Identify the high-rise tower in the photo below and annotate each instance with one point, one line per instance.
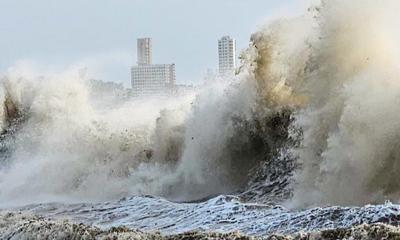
(227, 55)
(144, 51)
(148, 78)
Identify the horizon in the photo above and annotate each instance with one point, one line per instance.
(49, 36)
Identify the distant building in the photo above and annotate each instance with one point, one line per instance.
(210, 75)
(155, 79)
(183, 89)
(151, 79)
(107, 94)
(227, 55)
(102, 87)
(144, 51)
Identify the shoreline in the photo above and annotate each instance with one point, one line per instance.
(15, 226)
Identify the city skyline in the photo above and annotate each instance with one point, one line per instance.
(150, 79)
(184, 33)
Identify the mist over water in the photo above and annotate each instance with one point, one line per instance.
(350, 123)
(61, 144)
(315, 99)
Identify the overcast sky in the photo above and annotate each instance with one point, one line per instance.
(101, 34)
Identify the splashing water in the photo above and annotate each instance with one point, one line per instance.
(311, 118)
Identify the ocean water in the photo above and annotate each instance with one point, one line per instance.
(222, 214)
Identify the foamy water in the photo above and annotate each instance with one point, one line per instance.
(221, 214)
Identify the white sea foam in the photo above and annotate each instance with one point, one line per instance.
(329, 76)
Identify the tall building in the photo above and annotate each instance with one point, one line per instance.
(144, 51)
(227, 55)
(151, 79)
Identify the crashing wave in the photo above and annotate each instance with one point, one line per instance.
(310, 119)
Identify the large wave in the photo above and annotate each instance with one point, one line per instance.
(350, 123)
(311, 118)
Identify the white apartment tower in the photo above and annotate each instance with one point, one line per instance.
(151, 79)
(144, 51)
(227, 55)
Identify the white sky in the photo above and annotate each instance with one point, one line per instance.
(101, 34)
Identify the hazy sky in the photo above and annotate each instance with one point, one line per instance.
(101, 34)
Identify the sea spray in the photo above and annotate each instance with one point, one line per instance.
(350, 123)
(311, 117)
